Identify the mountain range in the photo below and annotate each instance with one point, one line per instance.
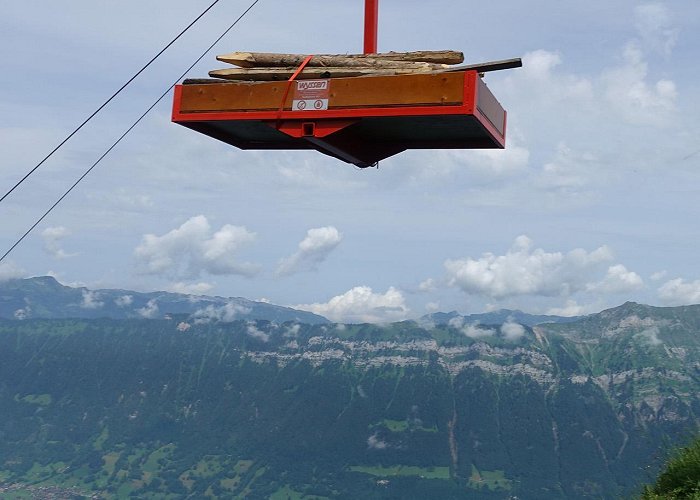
(194, 406)
(44, 297)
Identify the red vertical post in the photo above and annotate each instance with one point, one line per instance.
(371, 23)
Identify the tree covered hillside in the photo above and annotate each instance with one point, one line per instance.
(178, 407)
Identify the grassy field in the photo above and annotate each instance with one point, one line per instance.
(403, 470)
(492, 479)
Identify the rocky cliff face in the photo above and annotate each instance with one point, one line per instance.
(256, 408)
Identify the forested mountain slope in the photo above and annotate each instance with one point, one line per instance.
(177, 407)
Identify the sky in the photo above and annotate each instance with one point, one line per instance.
(593, 202)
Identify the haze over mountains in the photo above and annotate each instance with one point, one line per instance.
(221, 407)
(44, 297)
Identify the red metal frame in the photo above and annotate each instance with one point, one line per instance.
(371, 24)
(331, 120)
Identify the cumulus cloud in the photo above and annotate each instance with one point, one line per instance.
(475, 331)
(150, 310)
(91, 300)
(200, 288)
(256, 333)
(313, 250)
(524, 271)
(375, 443)
(637, 100)
(618, 280)
(654, 24)
(456, 322)
(540, 75)
(680, 292)
(226, 313)
(567, 171)
(192, 250)
(361, 305)
(52, 237)
(124, 300)
(650, 336)
(9, 271)
(432, 306)
(293, 330)
(124, 199)
(23, 313)
(512, 331)
(657, 276)
(488, 162)
(428, 285)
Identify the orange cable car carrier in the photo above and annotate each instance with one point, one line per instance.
(358, 108)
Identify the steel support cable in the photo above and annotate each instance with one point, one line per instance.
(115, 94)
(126, 132)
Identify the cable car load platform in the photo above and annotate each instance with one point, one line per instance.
(360, 119)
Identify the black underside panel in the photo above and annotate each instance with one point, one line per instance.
(363, 143)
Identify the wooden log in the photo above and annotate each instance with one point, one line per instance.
(388, 59)
(260, 60)
(275, 74)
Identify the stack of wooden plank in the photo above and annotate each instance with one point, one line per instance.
(260, 66)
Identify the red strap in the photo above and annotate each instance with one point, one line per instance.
(289, 86)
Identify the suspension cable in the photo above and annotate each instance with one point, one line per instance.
(126, 84)
(126, 132)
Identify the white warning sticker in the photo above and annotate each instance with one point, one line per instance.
(311, 95)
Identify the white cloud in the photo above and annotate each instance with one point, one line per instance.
(226, 313)
(91, 300)
(124, 300)
(293, 330)
(432, 306)
(680, 292)
(149, 311)
(488, 162)
(654, 24)
(200, 288)
(192, 250)
(375, 443)
(362, 305)
(428, 285)
(540, 76)
(512, 331)
(254, 332)
(124, 199)
(313, 250)
(474, 331)
(659, 275)
(456, 322)
(650, 336)
(10, 271)
(618, 280)
(633, 97)
(568, 171)
(522, 271)
(23, 313)
(52, 237)
(570, 309)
